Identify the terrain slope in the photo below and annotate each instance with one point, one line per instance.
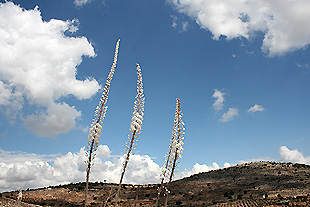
(249, 184)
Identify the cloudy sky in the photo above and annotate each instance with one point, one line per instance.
(241, 69)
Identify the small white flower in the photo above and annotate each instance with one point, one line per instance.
(136, 123)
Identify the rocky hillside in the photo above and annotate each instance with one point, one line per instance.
(250, 184)
(259, 181)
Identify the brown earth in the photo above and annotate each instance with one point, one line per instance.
(7, 202)
(250, 184)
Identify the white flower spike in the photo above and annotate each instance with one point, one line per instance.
(174, 152)
(96, 126)
(135, 126)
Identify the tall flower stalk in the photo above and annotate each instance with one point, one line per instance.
(135, 127)
(20, 196)
(96, 126)
(174, 152)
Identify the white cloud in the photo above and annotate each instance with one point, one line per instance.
(103, 151)
(184, 26)
(19, 169)
(303, 65)
(286, 155)
(177, 23)
(219, 96)
(226, 164)
(256, 108)
(12, 101)
(60, 118)
(38, 63)
(81, 2)
(5, 94)
(198, 168)
(174, 21)
(229, 115)
(285, 23)
(141, 169)
(294, 156)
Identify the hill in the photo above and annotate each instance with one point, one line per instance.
(249, 184)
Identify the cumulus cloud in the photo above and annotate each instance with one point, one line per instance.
(226, 164)
(229, 115)
(294, 156)
(256, 108)
(5, 94)
(199, 168)
(19, 169)
(38, 64)
(11, 101)
(25, 170)
(284, 23)
(219, 96)
(60, 118)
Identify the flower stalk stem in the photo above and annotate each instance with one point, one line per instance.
(135, 127)
(96, 126)
(174, 153)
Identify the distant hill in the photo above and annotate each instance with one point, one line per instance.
(249, 184)
(249, 181)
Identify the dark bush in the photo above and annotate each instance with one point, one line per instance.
(228, 195)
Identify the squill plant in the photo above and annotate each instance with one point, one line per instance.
(135, 127)
(174, 152)
(96, 126)
(20, 196)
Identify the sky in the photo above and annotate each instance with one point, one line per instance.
(240, 68)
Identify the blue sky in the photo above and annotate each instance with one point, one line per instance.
(240, 68)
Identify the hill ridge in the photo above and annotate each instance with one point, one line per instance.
(249, 184)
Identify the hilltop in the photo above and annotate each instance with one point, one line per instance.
(249, 184)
